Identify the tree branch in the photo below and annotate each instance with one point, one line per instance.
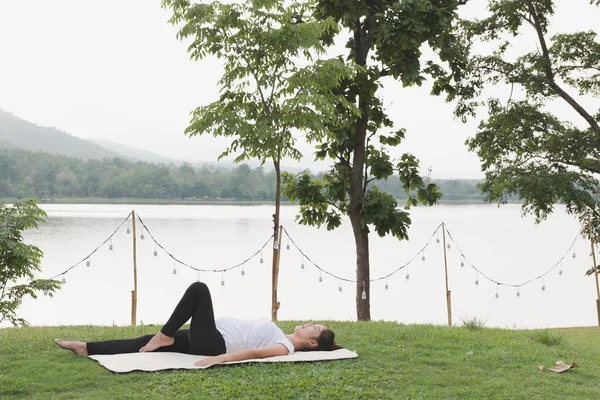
(550, 73)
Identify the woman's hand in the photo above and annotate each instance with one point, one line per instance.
(209, 361)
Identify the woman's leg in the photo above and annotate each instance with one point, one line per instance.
(122, 346)
(204, 338)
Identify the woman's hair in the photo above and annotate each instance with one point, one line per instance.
(326, 341)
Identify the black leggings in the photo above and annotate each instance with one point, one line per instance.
(202, 338)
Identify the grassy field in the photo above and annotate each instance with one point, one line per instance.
(395, 362)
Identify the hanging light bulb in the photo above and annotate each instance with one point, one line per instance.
(543, 284)
(302, 264)
(364, 292)
(287, 246)
(422, 256)
(222, 279)
(407, 274)
(437, 239)
(462, 261)
(155, 251)
(64, 280)
(497, 294)
(88, 262)
(110, 246)
(518, 293)
(243, 271)
(574, 255)
(340, 287)
(320, 276)
(174, 267)
(386, 284)
(128, 230)
(560, 271)
(142, 235)
(477, 280)
(261, 257)
(448, 246)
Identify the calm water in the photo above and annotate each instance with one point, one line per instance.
(504, 246)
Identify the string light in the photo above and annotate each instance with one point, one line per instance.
(174, 267)
(462, 261)
(543, 284)
(261, 257)
(287, 246)
(243, 271)
(497, 287)
(155, 251)
(518, 293)
(64, 279)
(302, 264)
(222, 279)
(340, 286)
(110, 246)
(142, 235)
(88, 262)
(320, 276)
(437, 239)
(560, 271)
(386, 284)
(128, 230)
(477, 279)
(364, 292)
(407, 274)
(448, 246)
(574, 255)
(422, 256)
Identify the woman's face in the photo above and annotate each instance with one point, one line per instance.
(309, 331)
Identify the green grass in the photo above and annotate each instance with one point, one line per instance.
(395, 362)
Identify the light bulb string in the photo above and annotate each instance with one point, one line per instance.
(95, 250)
(354, 280)
(516, 285)
(201, 269)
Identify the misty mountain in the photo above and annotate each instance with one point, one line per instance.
(18, 133)
(132, 153)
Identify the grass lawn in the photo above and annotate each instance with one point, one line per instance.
(395, 362)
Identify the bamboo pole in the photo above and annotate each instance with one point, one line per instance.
(134, 291)
(448, 294)
(595, 268)
(275, 303)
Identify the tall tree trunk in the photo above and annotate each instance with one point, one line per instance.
(276, 239)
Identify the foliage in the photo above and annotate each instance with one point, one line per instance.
(526, 148)
(59, 178)
(385, 40)
(394, 361)
(547, 337)
(473, 324)
(19, 261)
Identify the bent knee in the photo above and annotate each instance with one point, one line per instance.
(198, 287)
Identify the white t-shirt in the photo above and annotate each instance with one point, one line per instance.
(246, 335)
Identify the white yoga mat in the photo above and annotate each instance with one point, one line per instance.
(163, 361)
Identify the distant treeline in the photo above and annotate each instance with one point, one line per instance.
(25, 174)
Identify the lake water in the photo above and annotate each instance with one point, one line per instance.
(498, 241)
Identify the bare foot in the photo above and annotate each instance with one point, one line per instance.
(158, 340)
(78, 348)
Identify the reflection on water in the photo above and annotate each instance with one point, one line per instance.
(497, 241)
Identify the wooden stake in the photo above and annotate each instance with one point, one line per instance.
(275, 303)
(595, 268)
(134, 291)
(448, 295)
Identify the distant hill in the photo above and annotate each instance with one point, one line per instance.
(133, 153)
(18, 133)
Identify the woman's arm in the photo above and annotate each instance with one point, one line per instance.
(263, 352)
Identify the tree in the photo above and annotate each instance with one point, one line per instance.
(525, 147)
(18, 260)
(386, 38)
(261, 100)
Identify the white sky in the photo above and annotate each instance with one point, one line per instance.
(113, 69)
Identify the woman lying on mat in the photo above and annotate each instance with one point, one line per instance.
(223, 339)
